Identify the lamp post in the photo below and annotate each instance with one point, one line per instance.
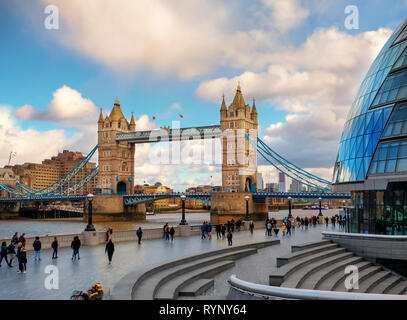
(247, 218)
(320, 205)
(289, 208)
(183, 221)
(90, 226)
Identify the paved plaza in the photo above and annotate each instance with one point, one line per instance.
(129, 256)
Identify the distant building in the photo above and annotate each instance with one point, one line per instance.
(260, 183)
(39, 176)
(272, 187)
(9, 179)
(295, 186)
(281, 182)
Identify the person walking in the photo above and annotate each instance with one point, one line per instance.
(3, 253)
(269, 228)
(54, 246)
(22, 266)
(283, 228)
(23, 240)
(228, 226)
(203, 230)
(223, 230)
(218, 231)
(14, 239)
(251, 227)
(288, 226)
(172, 233)
(333, 222)
(109, 249)
(230, 236)
(209, 231)
(75, 245)
(232, 225)
(167, 232)
(37, 249)
(11, 254)
(139, 234)
(326, 221)
(238, 224)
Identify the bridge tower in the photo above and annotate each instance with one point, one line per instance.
(116, 158)
(239, 158)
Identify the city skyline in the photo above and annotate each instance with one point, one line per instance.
(57, 97)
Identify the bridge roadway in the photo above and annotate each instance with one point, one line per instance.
(204, 197)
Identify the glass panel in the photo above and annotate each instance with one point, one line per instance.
(403, 151)
(373, 167)
(396, 129)
(402, 165)
(393, 152)
(380, 166)
(391, 166)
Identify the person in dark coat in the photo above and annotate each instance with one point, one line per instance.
(251, 227)
(218, 232)
(172, 232)
(11, 253)
(3, 253)
(75, 245)
(139, 235)
(14, 239)
(223, 230)
(109, 249)
(232, 225)
(54, 246)
(203, 230)
(228, 226)
(22, 266)
(37, 249)
(23, 240)
(230, 236)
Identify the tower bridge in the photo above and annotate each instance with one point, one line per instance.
(240, 145)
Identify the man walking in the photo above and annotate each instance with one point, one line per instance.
(223, 230)
(54, 246)
(203, 230)
(139, 234)
(230, 236)
(218, 231)
(75, 245)
(172, 233)
(37, 249)
(251, 227)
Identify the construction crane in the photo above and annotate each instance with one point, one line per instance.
(12, 155)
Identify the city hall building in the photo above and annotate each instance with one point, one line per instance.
(372, 157)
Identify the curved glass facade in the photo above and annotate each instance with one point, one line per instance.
(384, 85)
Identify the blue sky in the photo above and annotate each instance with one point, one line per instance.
(238, 38)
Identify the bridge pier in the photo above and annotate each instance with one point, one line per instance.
(112, 208)
(232, 205)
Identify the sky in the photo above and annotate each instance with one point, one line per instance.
(164, 58)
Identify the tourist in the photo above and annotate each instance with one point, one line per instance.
(228, 226)
(23, 240)
(288, 226)
(232, 225)
(172, 233)
(326, 221)
(14, 239)
(11, 254)
(251, 227)
(223, 230)
(37, 249)
(75, 245)
(238, 224)
(109, 235)
(203, 230)
(333, 222)
(109, 249)
(54, 246)
(139, 234)
(166, 232)
(230, 236)
(306, 223)
(218, 231)
(19, 246)
(283, 228)
(209, 231)
(3, 253)
(269, 227)
(22, 266)
(302, 223)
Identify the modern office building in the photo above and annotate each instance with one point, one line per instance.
(260, 183)
(281, 182)
(372, 157)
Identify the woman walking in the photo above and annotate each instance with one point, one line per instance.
(251, 226)
(54, 246)
(230, 236)
(11, 253)
(3, 253)
(23, 261)
(109, 249)
(172, 232)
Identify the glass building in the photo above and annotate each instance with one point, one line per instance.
(372, 157)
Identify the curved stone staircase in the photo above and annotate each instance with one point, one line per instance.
(187, 277)
(321, 266)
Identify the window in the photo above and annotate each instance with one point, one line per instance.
(394, 88)
(398, 122)
(390, 158)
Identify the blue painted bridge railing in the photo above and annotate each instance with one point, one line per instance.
(139, 198)
(301, 195)
(43, 199)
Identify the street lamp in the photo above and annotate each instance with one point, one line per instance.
(247, 218)
(183, 221)
(90, 226)
(320, 205)
(289, 208)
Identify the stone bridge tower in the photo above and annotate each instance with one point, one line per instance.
(239, 157)
(116, 159)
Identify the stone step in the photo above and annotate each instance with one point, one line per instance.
(386, 285)
(196, 288)
(281, 261)
(147, 288)
(309, 245)
(296, 279)
(314, 280)
(399, 288)
(338, 277)
(280, 274)
(368, 285)
(363, 276)
(171, 288)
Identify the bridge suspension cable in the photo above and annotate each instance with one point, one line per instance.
(292, 171)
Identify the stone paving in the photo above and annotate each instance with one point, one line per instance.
(93, 265)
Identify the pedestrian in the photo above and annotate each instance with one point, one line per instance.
(283, 228)
(288, 226)
(14, 239)
(139, 234)
(54, 246)
(203, 230)
(172, 232)
(228, 226)
(251, 227)
(3, 253)
(326, 221)
(269, 227)
(238, 223)
(223, 230)
(37, 249)
(209, 231)
(333, 222)
(218, 231)
(167, 232)
(230, 236)
(306, 223)
(23, 240)
(232, 225)
(75, 245)
(23, 260)
(19, 246)
(11, 254)
(110, 250)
